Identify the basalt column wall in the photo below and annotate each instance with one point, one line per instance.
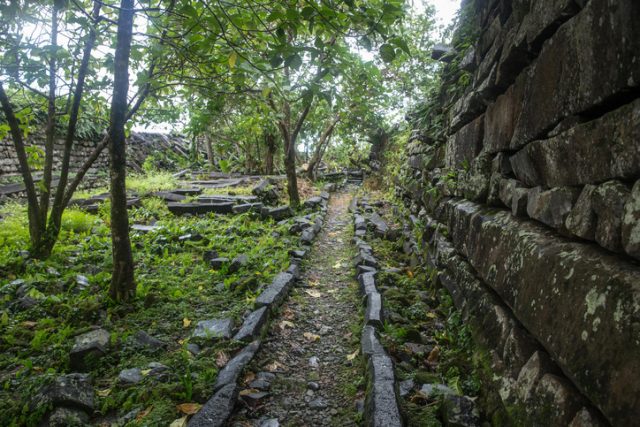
(529, 201)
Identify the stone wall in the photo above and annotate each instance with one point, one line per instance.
(139, 146)
(531, 196)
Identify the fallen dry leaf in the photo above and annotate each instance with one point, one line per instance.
(311, 337)
(189, 408)
(313, 293)
(272, 367)
(144, 413)
(247, 391)
(29, 324)
(410, 274)
(249, 377)
(186, 322)
(221, 359)
(145, 372)
(180, 422)
(337, 265)
(104, 393)
(288, 314)
(286, 324)
(353, 355)
(434, 355)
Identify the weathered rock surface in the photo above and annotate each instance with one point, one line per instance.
(229, 374)
(631, 223)
(553, 274)
(252, 325)
(213, 329)
(217, 410)
(381, 406)
(276, 291)
(89, 347)
(71, 390)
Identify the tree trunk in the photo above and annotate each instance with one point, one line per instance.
(209, 147)
(35, 227)
(270, 142)
(325, 137)
(123, 286)
(59, 205)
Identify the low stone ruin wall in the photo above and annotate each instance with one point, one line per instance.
(529, 201)
(139, 146)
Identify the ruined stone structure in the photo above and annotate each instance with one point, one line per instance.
(139, 146)
(529, 199)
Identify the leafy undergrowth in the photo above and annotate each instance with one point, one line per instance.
(423, 331)
(45, 304)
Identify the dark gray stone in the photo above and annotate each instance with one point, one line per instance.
(553, 273)
(218, 409)
(71, 390)
(366, 259)
(582, 220)
(519, 201)
(294, 269)
(213, 329)
(460, 411)
(313, 202)
(318, 404)
(631, 223)
(230, 373)
(381, 406)
(143, 339)
(168, 196)
(193, 348)
(367, 283)
(89, 347)
(130, 376)
(200, 208)
(275, 293)
(433, 391)
(380, 227)
(308, 234)
(238, 262)
(359, 222)
(247, 207)
(361, 269)
(465, 144)
(252, 325)
(608, 203)
(66, 417)
(218, 263)
(260, 384)
(406, 387)
(298, 253)
(373, 313)
(551, 207)
(278, 213)
(588, 149)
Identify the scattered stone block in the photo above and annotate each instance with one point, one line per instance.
(73, 390)
(313, 202)
(276, 292)
(213, 329)
(218, 263)
(247, 207)
(130, 376)
(277, 214)
(238, 262)
(65, 417)
(230, 373)
(200, 208)
(88, 348)
(373, 314)
(369, 342)
(218, 409)
(252, 325)
(551, 207)
(460, 411)
(143, 339)
(367, 283)
(631, 223)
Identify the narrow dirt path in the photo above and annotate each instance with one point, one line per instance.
(306, 373)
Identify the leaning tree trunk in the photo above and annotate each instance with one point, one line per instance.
(123, 286)
(270, 141)
(323, 142)
(209, 148)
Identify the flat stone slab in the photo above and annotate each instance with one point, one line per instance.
(230, 373)
(380, 227)
(276, 292)
(218, 409)
(369, 342)
(90, 345)
(367, 283)
(252, 325)
(200, 208)
(381, 405)
(281, 212)
(213, 329)
(168, 196)
(226, 198)
(313, 202)
(373, 313)
(247, 207)
(145, 228)
(68, 390)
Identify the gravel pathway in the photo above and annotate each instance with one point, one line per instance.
(307, 372)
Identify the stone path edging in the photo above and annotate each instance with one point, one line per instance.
(381, 400)
(219, 407)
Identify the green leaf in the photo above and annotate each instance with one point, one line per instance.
(402, 44)
(387, 52)
(232, 59)
(294, 61)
